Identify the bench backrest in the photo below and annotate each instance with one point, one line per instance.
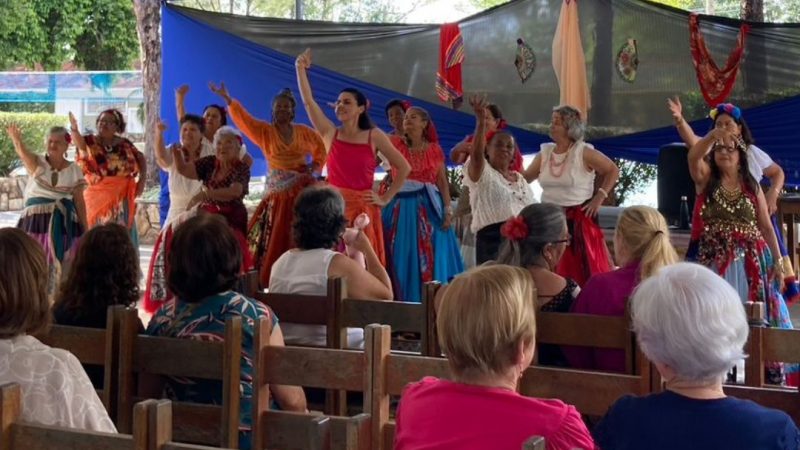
(162, 356)
(17, 434)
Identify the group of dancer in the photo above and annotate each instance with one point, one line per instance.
(410, 219)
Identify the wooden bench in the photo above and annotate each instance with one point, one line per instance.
(92, 346)
(160, 421)
(17, 434)
(141, 355)
(333, 369)
(247, 284)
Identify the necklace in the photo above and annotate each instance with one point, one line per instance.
(557, 168)
(730, 195)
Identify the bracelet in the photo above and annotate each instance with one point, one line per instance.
(602, 191)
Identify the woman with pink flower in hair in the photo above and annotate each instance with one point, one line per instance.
(536, 240)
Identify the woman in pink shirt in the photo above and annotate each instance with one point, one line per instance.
(487, 328)
(641, 248)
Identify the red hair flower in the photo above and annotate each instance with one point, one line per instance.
(515, 229)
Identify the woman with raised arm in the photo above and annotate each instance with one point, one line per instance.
(566, 169)
(352, 154)
(288, 147)
(115, 169)
(496, 192)
(731, 230)
(421, 244)
(225, 181)
(729, 117)
(192, 147)
(55, 213)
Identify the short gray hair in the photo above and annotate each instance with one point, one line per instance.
(691, 319)
(226, 130)
(571, 116)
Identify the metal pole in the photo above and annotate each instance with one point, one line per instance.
(298, 9)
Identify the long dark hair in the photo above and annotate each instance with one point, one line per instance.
(747, 135)
(105, 272)
(364, 122)
(715, 180)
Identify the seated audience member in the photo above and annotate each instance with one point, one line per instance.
(535, 240)
(202, 276)
(104, 272)
(487, 329)
(319, 222)
(641, 248)
(690, 323)
(55, 389)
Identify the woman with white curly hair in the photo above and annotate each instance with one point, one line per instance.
(690, 323)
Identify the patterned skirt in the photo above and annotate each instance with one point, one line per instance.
(55, 225)
(418, 249)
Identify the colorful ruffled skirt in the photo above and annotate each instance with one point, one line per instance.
(418, 249)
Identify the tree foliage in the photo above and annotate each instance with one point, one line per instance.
(328, 10)
(774, 10)
(97, 34)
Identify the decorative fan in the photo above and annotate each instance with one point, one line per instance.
(628, 60)
(525, 60)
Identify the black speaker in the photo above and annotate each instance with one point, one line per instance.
(674, 182)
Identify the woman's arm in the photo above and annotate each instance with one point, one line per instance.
(460, 152)
(187, 169)
(142, 163)
(531, 174)
(28, 159)
(477, 160)
(80, 205)
(163, 157)
(398, 162)
(77, 137)
(318, 118)
(180, 104)
(684, 130)
(232, 192)
(289, 398)
(776, 178)
(444, 190)
(765, 226)
(608, 172)
(698, 166)
(372, 283)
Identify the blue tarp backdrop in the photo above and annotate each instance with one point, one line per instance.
(195, 53)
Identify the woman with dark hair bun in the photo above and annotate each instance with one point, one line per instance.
(352, 151)
(115, 169)
(319, 223)
(287, 147)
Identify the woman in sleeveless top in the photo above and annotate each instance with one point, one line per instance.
(352, 154)
(536, 240)
(731, 229)
(420, 243)
(496, 193)
(317, 229)
(566, 170)
(54, 214)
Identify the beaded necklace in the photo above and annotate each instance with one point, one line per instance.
(557, 168)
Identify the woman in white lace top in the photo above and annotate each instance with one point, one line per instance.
(55, 389)
(496, 192)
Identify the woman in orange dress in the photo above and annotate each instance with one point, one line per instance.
(294, 153)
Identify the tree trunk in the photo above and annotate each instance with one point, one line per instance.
(148, 24)
(755, 63)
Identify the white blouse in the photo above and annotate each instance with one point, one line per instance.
(495, 199)
(565, 179)
(40, 183)
(182, 189)
(55, 388)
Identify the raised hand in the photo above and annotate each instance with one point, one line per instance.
(478, 103)
(14, 132)
(675, 107)
(73, 122)
(182, 90)
(161, 126)
(220, 90)
(304, 59)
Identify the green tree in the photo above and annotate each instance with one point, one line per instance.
(108, 40)
(328, 10)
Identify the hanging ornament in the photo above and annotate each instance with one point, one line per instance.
(525, 60)
(628, 60)
(715, 82)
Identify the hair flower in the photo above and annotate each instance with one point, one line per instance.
(515, 229)
(726, 108)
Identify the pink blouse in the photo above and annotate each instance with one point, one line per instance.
(444, 415)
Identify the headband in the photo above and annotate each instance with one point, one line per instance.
(726, 108)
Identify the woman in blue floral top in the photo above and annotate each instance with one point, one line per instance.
(202, 277)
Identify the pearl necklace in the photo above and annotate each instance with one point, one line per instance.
(557, 168)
